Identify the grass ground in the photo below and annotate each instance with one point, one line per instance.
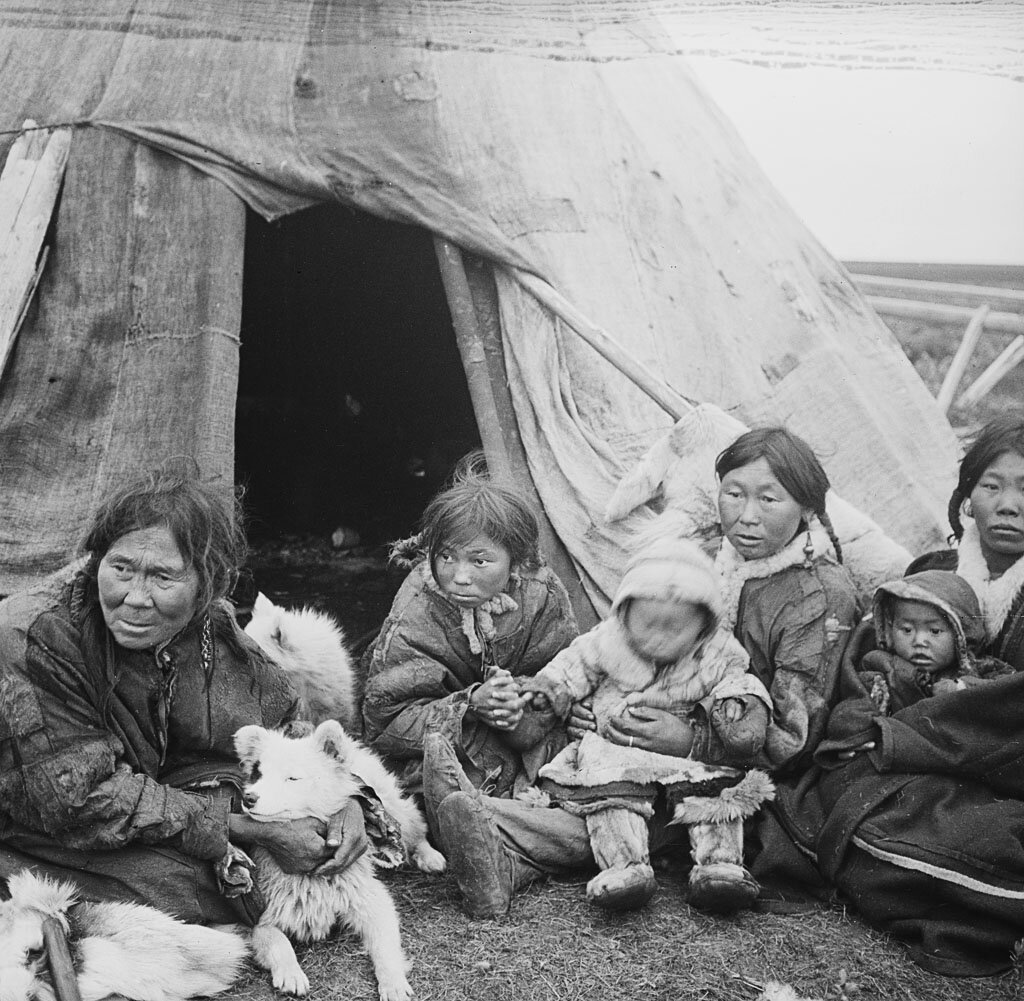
(553, 945)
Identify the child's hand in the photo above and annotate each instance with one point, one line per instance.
(581, 719)
(946, 685)
(497, 701)
(730, 710)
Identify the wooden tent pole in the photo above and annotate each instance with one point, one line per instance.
(474, 360)
(1010, 358)
(958, 365)
(674, 404)
(473, 301)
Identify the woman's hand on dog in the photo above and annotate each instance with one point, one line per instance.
(498, 702)
(304, 845)
(346, 838)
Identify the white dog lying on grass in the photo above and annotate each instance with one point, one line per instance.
(129, 950)
(314, 776)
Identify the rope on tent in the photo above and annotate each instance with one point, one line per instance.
(673, 403)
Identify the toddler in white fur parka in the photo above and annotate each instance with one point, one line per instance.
(660, 659)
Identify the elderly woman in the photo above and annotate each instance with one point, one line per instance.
(119, 696)
(918, 818)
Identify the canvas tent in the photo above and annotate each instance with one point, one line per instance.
(568, 141)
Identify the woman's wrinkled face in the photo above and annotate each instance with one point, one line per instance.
(473, 573)
(147, 593)
(758, 515)
(997, 505)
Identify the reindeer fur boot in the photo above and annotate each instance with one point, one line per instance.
(619, 841)
(719, 883)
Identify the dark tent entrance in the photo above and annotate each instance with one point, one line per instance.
(352, 397)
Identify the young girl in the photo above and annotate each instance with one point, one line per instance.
(477, 611)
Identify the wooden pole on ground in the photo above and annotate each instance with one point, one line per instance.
(971, 296)
(473, 300)
(1011, 357)
(58, 956)
(933, 312)
(958, 365)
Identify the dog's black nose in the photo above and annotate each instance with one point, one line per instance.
(248, 800)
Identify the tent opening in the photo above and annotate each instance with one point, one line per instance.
(352, 399)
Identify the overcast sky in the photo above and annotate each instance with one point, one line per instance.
(887, 165)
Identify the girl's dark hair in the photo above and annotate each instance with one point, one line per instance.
(1000, 435)
(206, 524)
(792, 462)
(474, 504)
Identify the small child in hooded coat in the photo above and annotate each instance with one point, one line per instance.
(928, 627)
(661, 647)
(921, 641)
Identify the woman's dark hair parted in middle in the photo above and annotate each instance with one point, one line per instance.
(1000, 435)
(206, 524)
(792, 462)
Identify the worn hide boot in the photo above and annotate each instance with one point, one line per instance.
(443, 774)
(719, 883)
(618, 839)
(486, 872)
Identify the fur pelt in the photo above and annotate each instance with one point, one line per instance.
(733, 803)
(315, 775)
(309, 646)
(130, 950)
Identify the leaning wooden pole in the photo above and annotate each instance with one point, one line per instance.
(473, 302)
(962, 358)
(674, 404)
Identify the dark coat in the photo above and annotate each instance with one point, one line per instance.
(924, 835)
(96, 741)
(422, 672)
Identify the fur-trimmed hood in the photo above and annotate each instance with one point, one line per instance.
(950, 595)
(671, 568)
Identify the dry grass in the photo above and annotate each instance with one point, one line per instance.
(554, 945)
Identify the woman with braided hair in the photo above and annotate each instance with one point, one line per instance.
(787, 597)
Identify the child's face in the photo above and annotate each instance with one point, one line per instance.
(472, 573)
(662, 629)
(921, 634)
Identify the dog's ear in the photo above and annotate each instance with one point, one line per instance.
(330, 738)
(249, 741)
(262, 605)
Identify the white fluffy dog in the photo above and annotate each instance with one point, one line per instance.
(310, 646)
(130, 950)
(314, 776)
